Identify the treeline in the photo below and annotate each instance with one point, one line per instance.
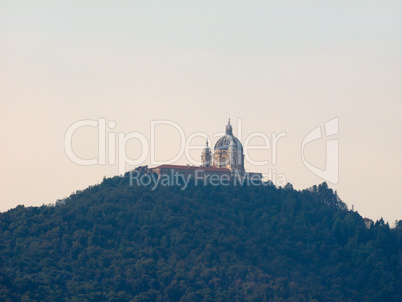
(116, 242)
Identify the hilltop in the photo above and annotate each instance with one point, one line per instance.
(116, 242)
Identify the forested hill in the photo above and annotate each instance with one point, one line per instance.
(116, 242)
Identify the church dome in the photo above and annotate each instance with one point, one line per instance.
(224, 142)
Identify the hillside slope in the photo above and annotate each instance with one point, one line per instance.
(116, 242)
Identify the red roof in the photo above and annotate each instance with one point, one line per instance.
(182, 167)
(213, 169)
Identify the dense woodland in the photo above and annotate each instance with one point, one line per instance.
(116, 242)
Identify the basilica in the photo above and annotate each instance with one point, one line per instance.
(226, 159)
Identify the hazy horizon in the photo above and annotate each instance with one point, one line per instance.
(277, 68)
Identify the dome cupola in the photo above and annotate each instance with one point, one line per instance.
(224, 142)
(228, 151)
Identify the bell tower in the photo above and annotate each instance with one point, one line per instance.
(206, 156)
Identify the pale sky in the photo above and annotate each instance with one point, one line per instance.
(278, 66)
